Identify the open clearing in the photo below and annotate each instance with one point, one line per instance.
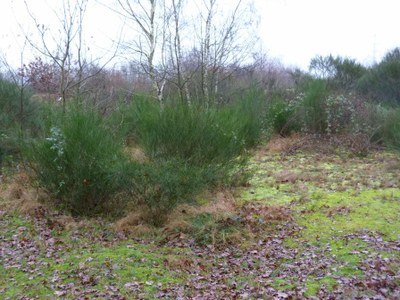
(312, 222)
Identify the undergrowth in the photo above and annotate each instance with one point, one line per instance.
(198, 135)
(79, 162)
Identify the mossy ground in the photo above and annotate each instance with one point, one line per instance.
(308, 222)
(46, 264)
(339, 201)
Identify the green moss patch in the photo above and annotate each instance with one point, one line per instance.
(347, 209)
(41, 262)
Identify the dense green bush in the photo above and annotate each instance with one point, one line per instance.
(312, 107)
(323, 110)
(10, 110)
(382, 82)
(193, 133)
(162, 185)
(189, 147)
(17, 114)
(368, 120)
(391, 129)
(281, 115)
(243, 120)
(340, 111)
(79, 161)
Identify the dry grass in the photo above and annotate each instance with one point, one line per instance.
(266, 213)
(287, 176)
(221, 205)
(173, 262)
(134, 223)
(135, 153)
(359, 145)
(339, 210)
(18, 195)
(279, 144)
(67, 222)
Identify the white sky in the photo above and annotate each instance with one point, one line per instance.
(293, 31)
(297, 30)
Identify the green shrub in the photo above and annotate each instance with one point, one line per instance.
(340, 111)
(369, 120)
(248, 115)
(190, 148)
(281, 116)
(9, 104)
(193, 134)
(312, 110)
(382, 82)
(240, 121)
(321, 110)
(79, 161)
(162, 185)
(124, 120)
(391, 130)
(17, 114)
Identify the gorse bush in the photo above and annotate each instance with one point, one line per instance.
(391, 130)
(312, 108)
(79, 161)
(189, 147)
(302, 111)
(316, 108)
(368, 120)
(248, 116)
(162, 185)
(17, 114)
(10, 106)
(194, 134)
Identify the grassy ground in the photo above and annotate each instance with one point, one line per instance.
(313, 221)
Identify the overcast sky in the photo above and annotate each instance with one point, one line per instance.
(294, 31)
(297, 30)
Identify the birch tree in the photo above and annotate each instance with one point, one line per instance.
(165, 34)
(148, 20)
(206, 49)
(226, 39)
(180, 76)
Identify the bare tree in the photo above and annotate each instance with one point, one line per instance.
(64, 45)
(171, 32)
(226, 40)
(148, 19)
(179, 75)
(205, 49)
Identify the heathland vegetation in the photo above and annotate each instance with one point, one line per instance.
(199, 177)
(166, 172)
(79, 152)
